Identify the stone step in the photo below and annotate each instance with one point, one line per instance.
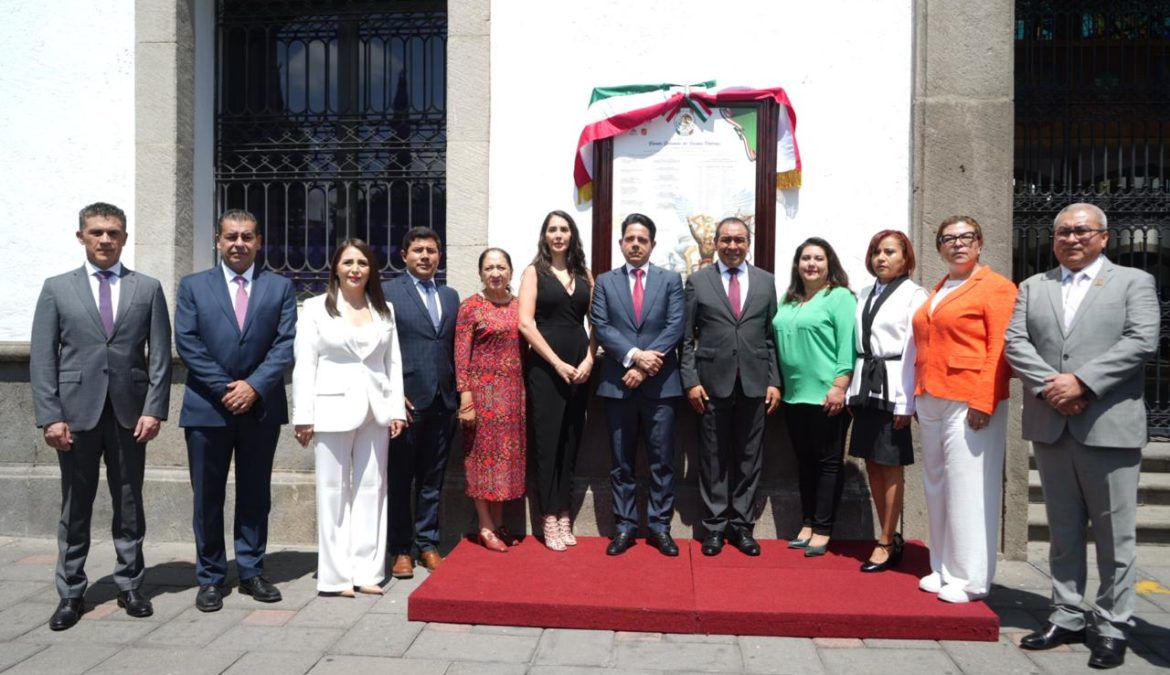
(1153, 524)
(1153, 489)
(1155, 458)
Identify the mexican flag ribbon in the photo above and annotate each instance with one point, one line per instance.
(616, 110)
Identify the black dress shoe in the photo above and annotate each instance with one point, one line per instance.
(69, 611)
(1051, 636)
(622, 541)
(744, 541)
(260, 588)
(713, 544)
(209, 599)
(664, 543)
(135, 603)
(1109, 652)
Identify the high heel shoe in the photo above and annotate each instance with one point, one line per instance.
(552, 534)
(811, 551)
(506, 536)
(799, 543)
(893, 556)
(491, 542)
(566, 528)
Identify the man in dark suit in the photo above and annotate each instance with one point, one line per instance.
(638, 314)
(425, 315)
(1079, 340)
(100, 368)
(234, 329)
(732, 379)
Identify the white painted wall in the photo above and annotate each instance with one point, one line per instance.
(67, 134)
(847, 67)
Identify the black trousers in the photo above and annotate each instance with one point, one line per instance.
(819, 443)
(80, 474)
(417, 464)
(732, 430)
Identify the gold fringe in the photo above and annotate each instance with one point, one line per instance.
(787, 180)
(585, 193)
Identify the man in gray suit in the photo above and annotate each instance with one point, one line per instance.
(100, 368)
(731, 377)
(1079, 339)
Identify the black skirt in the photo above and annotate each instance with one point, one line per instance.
(875, 439)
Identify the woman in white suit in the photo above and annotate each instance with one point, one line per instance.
(348, 400)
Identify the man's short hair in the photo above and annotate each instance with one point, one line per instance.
(420, 232)
(100, 210)
(1093, 209)
(239, 215)
(732, 219)
(639, 219)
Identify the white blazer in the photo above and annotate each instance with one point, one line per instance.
(891, 337)
(334, 382)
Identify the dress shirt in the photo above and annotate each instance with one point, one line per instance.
(422, 293)
(629, 358)
(725, 276)
(1075, 285)
(230, 276)
(115, 285)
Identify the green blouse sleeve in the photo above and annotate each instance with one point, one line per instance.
(843, 308)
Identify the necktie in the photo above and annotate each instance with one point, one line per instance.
(241, 301)
(432, 301)
(638, 295)
(733, 291)
(105, 301)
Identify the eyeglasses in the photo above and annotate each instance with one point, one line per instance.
(1081, 233)
(967, 238)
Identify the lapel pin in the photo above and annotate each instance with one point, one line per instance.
(1099, 281)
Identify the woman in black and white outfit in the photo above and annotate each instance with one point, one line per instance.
(881, 395)
(349, 401)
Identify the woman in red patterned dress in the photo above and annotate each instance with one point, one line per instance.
(490, 377)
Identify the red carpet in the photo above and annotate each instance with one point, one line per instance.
(778, 593)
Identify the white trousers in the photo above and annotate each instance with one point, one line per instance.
(962, 475)
(351, 506)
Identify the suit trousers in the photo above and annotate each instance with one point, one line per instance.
(654, 417)
(732, 430)
(80, 474)
(351, 506)
(962, 476)
(209, 455)
(1095, 486)
(418, 459)
(819, 443)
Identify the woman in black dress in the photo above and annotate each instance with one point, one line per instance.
(555, 294)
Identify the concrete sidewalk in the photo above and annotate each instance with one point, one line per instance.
(310, 634)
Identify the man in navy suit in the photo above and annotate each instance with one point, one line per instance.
(234, 329)
(425, 316)
(638, 315)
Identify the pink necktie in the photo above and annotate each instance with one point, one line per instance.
(638, 295)
(241, 301)
(733, 291)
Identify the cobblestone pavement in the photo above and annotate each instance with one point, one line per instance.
(310, 634)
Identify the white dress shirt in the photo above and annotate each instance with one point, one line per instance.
(230, 276)
(1075, 285)
(422, 293)
(115, 285)
(743, 280)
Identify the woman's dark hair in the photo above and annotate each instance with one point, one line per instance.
(574, 260)
(495, 249)
(903, 240)
(837, 275)
(374, 294)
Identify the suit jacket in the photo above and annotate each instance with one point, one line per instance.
(217, 352)
(428, 355)
(661, 329)
(1114, 333)
(960, 345)
(336, 380)
(716, 345)
(73, 366)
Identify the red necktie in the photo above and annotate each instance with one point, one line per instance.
(638, 295)
(733, 291)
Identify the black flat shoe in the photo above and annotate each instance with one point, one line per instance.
(1051, 636)
(68, 613)
(893, 556)
(135, 603)
(622, 541)
(1109, 652)
(713, 544)
(260, 588)
(209, 598)
(664, 543)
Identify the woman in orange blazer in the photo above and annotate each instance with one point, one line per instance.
(961, 391)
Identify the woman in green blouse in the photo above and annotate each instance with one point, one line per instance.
(814, 338)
